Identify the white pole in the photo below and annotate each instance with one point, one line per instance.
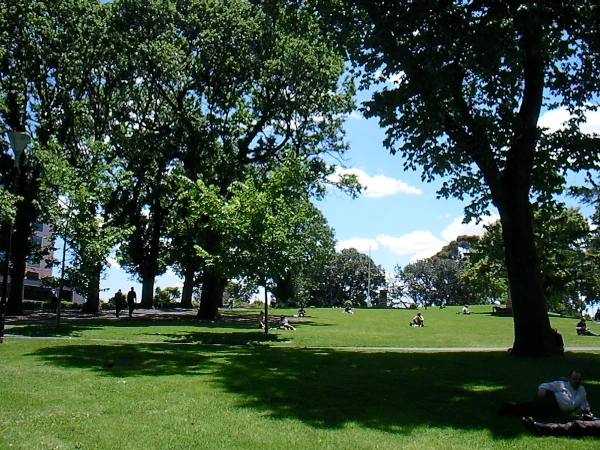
(369, 280)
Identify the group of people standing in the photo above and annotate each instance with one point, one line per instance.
(120, 301)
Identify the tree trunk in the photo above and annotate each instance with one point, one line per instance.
(92, 302)
(20, 248)
(533, 335)
(188, 287)
(148, 289)
(284, 291)
(212, 294)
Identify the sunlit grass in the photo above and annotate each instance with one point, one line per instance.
(322, 327)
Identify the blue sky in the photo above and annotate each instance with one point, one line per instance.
(398, 218)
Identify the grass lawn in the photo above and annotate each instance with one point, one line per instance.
(125, 384)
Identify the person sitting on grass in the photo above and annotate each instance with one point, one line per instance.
(558, 340)
(552, 399)
(586, 425)
(261, 320)
(418, 321)
(348, 309)
(582, 329)
(284, 324)
(464, 310)
(301, 311)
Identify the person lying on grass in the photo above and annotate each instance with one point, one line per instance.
(552, 399)
(284, 324)
(585, 426)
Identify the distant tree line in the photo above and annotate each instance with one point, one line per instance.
(472, 269)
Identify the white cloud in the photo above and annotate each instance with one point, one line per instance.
(592, 124)
(555, 120)
(457, 228)
(359, 244)
(424, 244)
(394, 79)
(419, 244)
(113, 263)
(379, 185)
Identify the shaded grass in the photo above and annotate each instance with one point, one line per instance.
(72, 394)
(143, 392)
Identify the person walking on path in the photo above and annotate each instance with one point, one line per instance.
(131, 297)
(54, 302)
(119, 297)
(552, 399)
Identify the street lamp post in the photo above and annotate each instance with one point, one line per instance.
(18, 142)
(369, 281)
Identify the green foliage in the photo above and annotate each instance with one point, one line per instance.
(437, 280)
(267, 223)
(562, 239)
(240, 290)
(167, 297)
(348, 278)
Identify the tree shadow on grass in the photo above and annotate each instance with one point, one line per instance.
(389, 391)
(76, 328)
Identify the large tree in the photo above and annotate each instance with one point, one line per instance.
(269, 229)
(251, 82)
(473, 78)
(352, 276)
(43, 47)
(437, 280)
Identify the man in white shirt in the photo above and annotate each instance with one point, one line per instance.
(552, 399)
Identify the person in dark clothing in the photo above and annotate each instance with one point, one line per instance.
(119, 301)
(582, 329)
(577, 428)
(54, 303)
(558, 340)
(131, 297)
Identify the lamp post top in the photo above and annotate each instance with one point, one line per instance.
(18, 142)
